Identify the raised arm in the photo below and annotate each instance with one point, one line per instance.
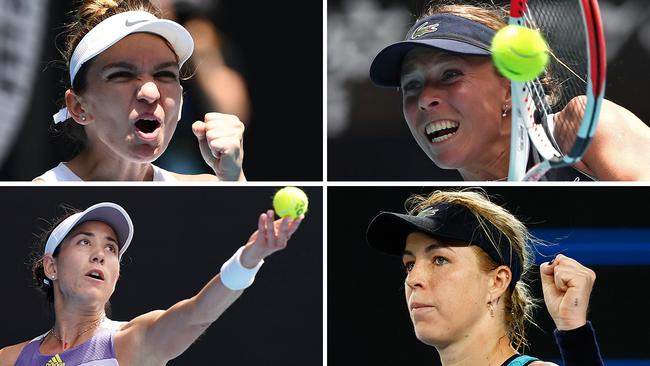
(567, 286)
(620, 148)
(159, 336)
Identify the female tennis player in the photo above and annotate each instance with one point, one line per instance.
(467, 261)
(124, 98)
(457, 105)
(78, 271)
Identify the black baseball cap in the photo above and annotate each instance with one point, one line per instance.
(448, 221)
(441, 31)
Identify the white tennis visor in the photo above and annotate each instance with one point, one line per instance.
(107, 212)
(118, 26)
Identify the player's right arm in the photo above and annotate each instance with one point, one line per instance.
(9, 354)
(159, 336)
(620, 148)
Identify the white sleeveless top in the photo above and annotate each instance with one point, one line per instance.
(61, 173)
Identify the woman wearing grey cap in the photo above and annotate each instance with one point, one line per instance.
(457, 106)
(78, 271)
(125, 98)
(467, 261)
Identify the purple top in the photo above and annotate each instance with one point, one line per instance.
(97, 351)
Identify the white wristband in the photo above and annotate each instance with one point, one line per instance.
(235, 276)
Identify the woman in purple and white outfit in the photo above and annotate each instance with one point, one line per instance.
(78, 272)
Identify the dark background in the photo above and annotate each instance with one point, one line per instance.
(283, 140)
(367, 314)
(376, 143)
(182, 237)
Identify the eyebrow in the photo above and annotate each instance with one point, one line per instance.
(408, 67)
(87, 233)
(132, 67)
(428, 249)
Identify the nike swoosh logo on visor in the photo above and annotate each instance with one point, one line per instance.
(130, 23)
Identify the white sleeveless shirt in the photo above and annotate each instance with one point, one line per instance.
(61, 173)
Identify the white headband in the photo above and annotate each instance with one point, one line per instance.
(115, 28)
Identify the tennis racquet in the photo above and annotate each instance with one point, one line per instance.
(558, 111)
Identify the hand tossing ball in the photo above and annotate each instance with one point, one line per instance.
(290, 201)
(519, 53)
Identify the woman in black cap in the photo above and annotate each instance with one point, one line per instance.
(457, 106)
(466, 261)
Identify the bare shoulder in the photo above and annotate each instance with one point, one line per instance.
(543, 363)
(38, 180)
(130, 338)
(9, 354)
(609, 111)
(618, 114)
(196, 177)
(140, 322)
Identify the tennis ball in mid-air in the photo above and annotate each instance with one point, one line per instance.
(519, 53)
(290, 201)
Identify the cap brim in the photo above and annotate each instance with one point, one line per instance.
(115, 217)
(111, 214)
(387, 232)
(386, 68)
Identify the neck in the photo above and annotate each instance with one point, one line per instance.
(71, 330)
(75, 323)
(495, 168)
(493, 163)
(93, 165)
(489, 348)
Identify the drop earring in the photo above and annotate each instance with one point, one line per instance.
(491, 308)
(505, 111)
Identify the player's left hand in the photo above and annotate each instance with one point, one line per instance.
(567, 286)
(221, 140)
(270, 237)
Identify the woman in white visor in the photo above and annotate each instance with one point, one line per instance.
(78, 270)
(124, 98)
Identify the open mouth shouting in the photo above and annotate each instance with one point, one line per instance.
(147, 127)
(439, 131)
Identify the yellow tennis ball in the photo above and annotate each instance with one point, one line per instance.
(519, 53)
(290, 201)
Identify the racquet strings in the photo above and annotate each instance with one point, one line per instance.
(562, 25)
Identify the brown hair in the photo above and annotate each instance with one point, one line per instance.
(88, 15)
(36, 259)
(519, 303)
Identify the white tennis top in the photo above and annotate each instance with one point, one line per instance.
(61, 173)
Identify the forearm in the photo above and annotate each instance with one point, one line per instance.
(213, 299)
(217, 295)
(579, 346)
(172, 331)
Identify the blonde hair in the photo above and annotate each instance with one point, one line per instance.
(493, 17)
(519, 302)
